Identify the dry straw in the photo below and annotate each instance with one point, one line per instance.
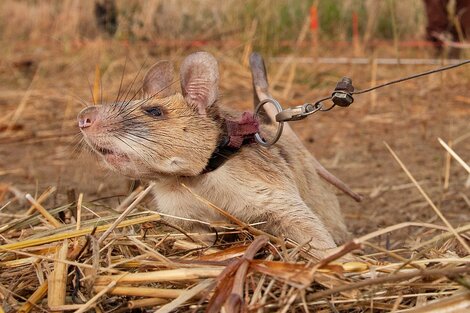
(138, 266)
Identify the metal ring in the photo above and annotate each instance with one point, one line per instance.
(280, 125)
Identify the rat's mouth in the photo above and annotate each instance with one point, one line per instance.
(111, 156)
(103, 151)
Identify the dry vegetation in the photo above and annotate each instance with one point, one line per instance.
(276, 20)
(84, 241)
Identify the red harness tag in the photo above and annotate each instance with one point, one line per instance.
(242, 131)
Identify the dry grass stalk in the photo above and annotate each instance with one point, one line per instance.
(396, 39)
(43, 197)
(454, 155)
(51, 219)
(300, 39)
(143, 292)
(35, 297)
(456, 303)
(66, 307)
(373, 82)
(53, 259)
(57, 280)
(448, 159)
(145, 303)
(226, 254)
(460, 230)
(433, 206)
(126, 202)
(19, 110)
(79, 211)
(126, 212)
(188, 245)
(393, 255)
(91, 303)
(72, 234)
(181, 274)
(187, 295)
(388, 279)
(167, 262)
(249, 44)
(97, 85)
(17, 262)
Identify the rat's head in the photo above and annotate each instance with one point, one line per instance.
(165, 133)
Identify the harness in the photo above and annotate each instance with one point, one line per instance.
(238, 133)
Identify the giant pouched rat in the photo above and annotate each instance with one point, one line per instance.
(169, 137)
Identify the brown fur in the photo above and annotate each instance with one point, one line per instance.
(277, 185)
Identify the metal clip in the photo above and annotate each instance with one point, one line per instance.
(297, 113)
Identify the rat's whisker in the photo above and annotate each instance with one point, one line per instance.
(122, 79)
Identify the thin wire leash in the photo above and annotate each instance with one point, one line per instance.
(341, 96)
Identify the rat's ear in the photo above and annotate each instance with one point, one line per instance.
(199, 80)
(158, 80)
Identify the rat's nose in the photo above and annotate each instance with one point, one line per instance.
(87, 117)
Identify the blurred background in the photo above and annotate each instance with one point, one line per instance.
(278, 26)
(58, 56)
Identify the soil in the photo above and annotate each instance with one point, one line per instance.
(39, 140)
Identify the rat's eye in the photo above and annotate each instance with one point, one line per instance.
(154, 111)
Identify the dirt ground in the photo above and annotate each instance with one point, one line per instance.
(40, 88)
